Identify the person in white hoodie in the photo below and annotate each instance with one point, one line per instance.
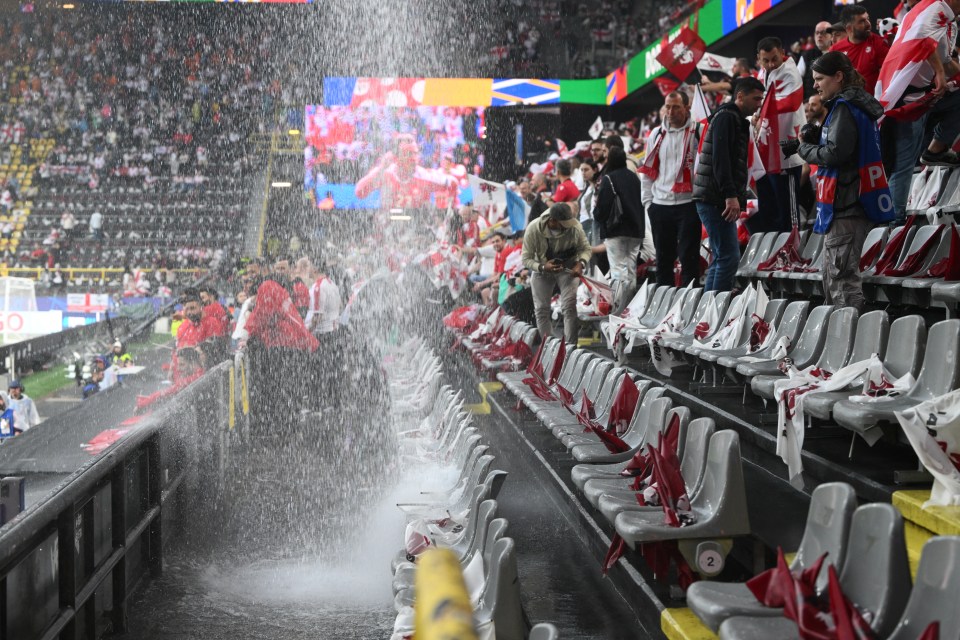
(666, 180)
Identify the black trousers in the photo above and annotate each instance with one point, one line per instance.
(676, 234)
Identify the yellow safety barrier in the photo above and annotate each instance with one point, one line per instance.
(244, 396)
(442, 610)
(232, 415)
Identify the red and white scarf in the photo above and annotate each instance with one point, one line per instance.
(651, 161)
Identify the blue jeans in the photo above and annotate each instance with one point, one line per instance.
(909, 139)
(725, 247)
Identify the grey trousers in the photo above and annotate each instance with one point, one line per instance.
(542, 286)
(842, 245)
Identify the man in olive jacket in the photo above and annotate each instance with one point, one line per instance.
(555, 250)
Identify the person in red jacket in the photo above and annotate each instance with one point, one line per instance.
(280, 350)
(194, 329)
(219, 319)
(865, 49)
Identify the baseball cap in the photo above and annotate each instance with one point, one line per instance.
(562, 213)
(15, 384)
(117, 343)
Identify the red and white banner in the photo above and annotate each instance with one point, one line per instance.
(781, 115)
(933, 428)
(681, 55)
(925, 25)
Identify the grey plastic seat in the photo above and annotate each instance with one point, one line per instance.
(903, 354)
(638, 424)
(790, 327)
(934, 595)
(571, 436)
(547, 411)
(762, 251)
(724, 302)
(750, 251)
(597, 379)
(805, 350)
(475, 533)
(779, 242)
(544, 631)
(584, 365)
(720, 507)
(939, 374)
(635, 438)
(875, 576)
(695, 349)
(703, 306)
(513, 380)
(871, 271)
(457, 499)
(920, 238)
(876, 236)
(574, 366)
(833, 355)
(611, 501)
(655, 303)
(604, 386)
(828, 525)
(771, 316)
(811, 252)
(500, 604)
(684, 306)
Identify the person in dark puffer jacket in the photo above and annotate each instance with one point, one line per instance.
(624, 239)
(720, 184)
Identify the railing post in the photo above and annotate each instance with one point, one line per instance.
(67, 566)
(154, 496)
(118, 518)
(89, 629)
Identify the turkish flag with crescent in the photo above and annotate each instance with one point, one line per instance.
(680, 55)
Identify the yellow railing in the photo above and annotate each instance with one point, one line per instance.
(442, 610)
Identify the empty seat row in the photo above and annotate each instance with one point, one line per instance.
(460, 517)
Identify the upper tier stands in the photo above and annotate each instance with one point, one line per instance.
(139, 121)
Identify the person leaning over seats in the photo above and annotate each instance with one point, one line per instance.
(555, 250)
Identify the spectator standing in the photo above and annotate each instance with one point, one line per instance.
(667, 182)
(624, 237)
(556, 251)
(23, 406)
(849, 133)
(8, 421)
(68, 223)
(720, 184)
(96, 225)
(537, 198)
(591, 175)
(901, 84)
(865, 49)
(566, 190)
(742, 68)
(214, 313)
(822, 40)
(119, 356)
(599, 153)
(779, 74)
(325, 303)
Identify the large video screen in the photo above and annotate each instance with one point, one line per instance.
(372, 156)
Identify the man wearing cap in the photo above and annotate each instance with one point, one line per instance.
(555, 250)
(24, 409)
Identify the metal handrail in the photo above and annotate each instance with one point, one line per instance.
(69, 511)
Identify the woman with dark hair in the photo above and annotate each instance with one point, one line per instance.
(622, 237)
(845, 148)
(590, 172)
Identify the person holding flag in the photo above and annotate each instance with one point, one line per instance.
(667, 190)
(852, 191)
(919, 82)
(780, 119)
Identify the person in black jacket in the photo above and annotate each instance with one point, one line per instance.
(720, 184)
(623, 237)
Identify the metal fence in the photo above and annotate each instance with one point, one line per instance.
(69, 563)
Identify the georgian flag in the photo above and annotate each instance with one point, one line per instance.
(790, 394)
(680, 55)
(487, 194)
(713, 62)
(926, 24)
(781, 115)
